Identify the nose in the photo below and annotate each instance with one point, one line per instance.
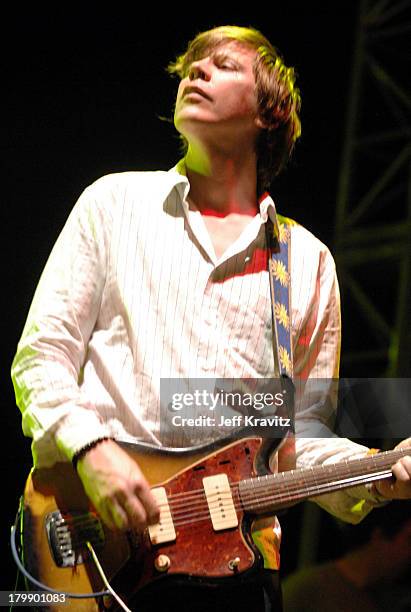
(199, 70)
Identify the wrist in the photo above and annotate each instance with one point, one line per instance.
(82, 452)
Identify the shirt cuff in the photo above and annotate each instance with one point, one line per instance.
(78, 431)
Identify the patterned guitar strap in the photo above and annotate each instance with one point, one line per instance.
(279, 267)
(267, 536)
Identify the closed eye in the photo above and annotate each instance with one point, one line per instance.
(225, 62)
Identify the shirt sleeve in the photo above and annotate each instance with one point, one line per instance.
(316, 366)
(47, 368)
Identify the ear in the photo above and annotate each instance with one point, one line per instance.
(264, 125)
(260, 123)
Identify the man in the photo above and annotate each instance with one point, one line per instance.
(164, 275)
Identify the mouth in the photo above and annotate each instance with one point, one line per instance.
(191, 90)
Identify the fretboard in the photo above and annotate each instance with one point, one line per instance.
(268, 493)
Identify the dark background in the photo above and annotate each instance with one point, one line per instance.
(84, 93)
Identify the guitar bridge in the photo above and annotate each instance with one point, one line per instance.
(67, 535)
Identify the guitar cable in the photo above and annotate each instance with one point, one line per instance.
(104, 578)
(108, 593)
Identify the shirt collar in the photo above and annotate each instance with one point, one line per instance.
(265, 202)
(179, 176)
(268, 211)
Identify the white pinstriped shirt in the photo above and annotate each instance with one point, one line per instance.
(133, 292)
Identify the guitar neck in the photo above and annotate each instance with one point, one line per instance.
(269, 493)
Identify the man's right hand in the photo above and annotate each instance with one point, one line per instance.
(117, 488)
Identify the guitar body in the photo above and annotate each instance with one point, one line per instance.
(131, 562)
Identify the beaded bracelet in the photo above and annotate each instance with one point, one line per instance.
(83, 451)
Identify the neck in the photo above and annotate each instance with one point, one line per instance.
(222, 182)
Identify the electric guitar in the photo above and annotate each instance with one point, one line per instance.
(208, 500)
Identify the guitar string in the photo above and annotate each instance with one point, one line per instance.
(269, 502)
(247, 500)
(196, 517)
(260, 482)
(322, 471)
(179, 510)
(292, 481)
(292, 491)
(273, 501)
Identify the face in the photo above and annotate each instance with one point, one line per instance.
(217, 96)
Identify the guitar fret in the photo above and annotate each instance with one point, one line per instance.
(272, 491)
(255, 483)
(285, 481)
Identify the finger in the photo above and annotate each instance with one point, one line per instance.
(402, 470)
(385, 487)
(119, 516)
(404, 444)
(406, 462)
(141, 490)
(149, 502)
(136, 513)
(106, 517)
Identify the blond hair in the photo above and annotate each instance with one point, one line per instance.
(278, 98)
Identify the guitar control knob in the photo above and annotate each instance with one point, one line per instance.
(162, 563)
(234, 563)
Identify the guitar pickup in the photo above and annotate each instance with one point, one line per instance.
(67, 536)
(220, 502)
(163, 531)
